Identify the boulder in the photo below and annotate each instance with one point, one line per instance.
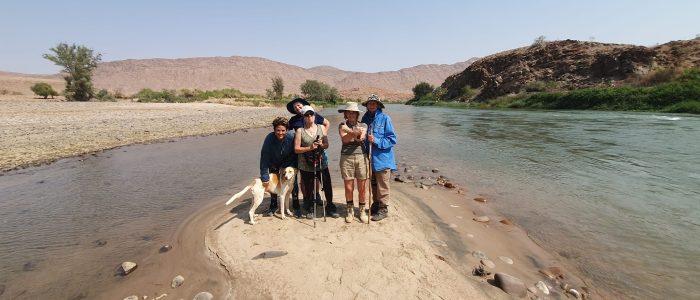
(177, 281)
(126, 268)
(510, 284)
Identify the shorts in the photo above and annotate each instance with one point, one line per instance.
(353, 166)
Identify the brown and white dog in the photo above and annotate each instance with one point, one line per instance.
(280, 184)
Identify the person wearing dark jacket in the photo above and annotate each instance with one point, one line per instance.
(382, 138)
(277, 153)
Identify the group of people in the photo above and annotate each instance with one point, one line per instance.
(302, 142)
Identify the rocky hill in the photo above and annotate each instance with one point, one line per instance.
(570, 64)
(253, 75)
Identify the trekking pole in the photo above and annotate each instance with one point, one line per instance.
(369, 173)
(322, 187)
(315, 191)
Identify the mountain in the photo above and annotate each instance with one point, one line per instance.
(254, 74)
(570, 64)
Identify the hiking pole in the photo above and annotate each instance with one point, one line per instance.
(314, 194)
(322, 187)
(369, 173)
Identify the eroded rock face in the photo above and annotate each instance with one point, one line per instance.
(572, 64)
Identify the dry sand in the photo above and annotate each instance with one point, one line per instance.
(35, 132)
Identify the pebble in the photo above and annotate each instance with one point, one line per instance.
(203, 296)
(480, 199)
(532, 289)
(488, 263)
(127, 267)
(439, 243)
(449, 185)
(161, 296)
(553, 272)
(510, 284)
(543, 287)
(506, 260)
(436, 170)
(575, 293)
(469, 235)
(483, 219)
(452, 205)
(177, 281)
(453, 225)
(132, 297)
(165, 248)
(480, 255)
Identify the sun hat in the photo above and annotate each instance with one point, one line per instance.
(307, 108)
(290, 104)
(373, 97)
(350, 106)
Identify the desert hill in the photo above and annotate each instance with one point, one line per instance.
(570, 64)
(253, 75)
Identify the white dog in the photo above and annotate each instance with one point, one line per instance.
(283, 189)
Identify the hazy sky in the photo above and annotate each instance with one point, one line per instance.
(352, 35)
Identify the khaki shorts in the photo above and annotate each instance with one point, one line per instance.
(353, 166)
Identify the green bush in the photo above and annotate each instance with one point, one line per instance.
(422, 89)
(44, 90)
(317, 91)
(104, 95)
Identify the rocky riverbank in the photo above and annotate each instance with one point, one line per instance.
(36, 132)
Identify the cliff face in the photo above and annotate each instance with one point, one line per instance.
(571, 64)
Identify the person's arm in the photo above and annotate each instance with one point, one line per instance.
(265, 161)
(324, 139)
(297, 143)
(388, 139)
(326, 126)
(346, 134)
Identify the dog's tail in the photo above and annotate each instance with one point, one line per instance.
(239, 194)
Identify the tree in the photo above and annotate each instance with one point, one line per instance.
(78, 62)
(318, 91)
(278, 87)
(422, 89)
(44, 89)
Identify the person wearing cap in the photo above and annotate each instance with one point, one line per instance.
(353, 162)
(382, 138)
(309, 143)
(296, 122)
(277, 153)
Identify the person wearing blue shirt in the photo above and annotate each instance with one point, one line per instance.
(382, 139)
(277, 153)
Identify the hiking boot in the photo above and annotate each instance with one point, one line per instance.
(363, 213)
(319, 202)
(380, 215)
(310, 215)
(332, 211)
(374, 208)
(348, 213)
(297, 213)
(271, 212)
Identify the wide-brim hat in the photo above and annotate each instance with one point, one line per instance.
(290, 104)
(373, 97)
(350, 106)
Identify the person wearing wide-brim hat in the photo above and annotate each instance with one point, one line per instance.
(382, 138)
(353, 162)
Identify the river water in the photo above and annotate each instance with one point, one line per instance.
(615, 194)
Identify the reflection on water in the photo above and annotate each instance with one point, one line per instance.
(617, 193)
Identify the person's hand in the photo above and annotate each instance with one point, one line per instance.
(266, 183)
(370, 138)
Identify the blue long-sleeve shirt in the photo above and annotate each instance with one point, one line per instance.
(276, 154)
(384, 140)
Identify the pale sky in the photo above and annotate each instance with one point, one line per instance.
(357, 35)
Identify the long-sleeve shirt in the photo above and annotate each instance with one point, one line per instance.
(276, 154)
(384, 140)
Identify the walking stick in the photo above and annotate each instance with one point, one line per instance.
(315, 189)
(369, 173)
(320, 155)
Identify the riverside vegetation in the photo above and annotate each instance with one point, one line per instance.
(663, 91)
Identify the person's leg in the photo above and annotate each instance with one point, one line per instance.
(307, 179)
(328, 192)
(273, 198)
(382, 178)
(295, 198)
(349, 190)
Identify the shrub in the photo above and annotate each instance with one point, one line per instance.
(104, 95)
(314, 90)
(44, 90)
(422, 89)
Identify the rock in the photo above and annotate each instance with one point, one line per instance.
(161, 296)
(132, 297)
(480, 199)
(126, 268)
(575, 293)
(469, 235)
(506, 260)
(510, 284)
(399, 178)
(177, 281)
(506, 222)
(553, 272)
(449, 185)
(488, 263)
(165, 248)
(203, 296)
(532, 289)
(436, 170)
(483, 219)
(543, 287)
(564, 286)
(480, 255)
